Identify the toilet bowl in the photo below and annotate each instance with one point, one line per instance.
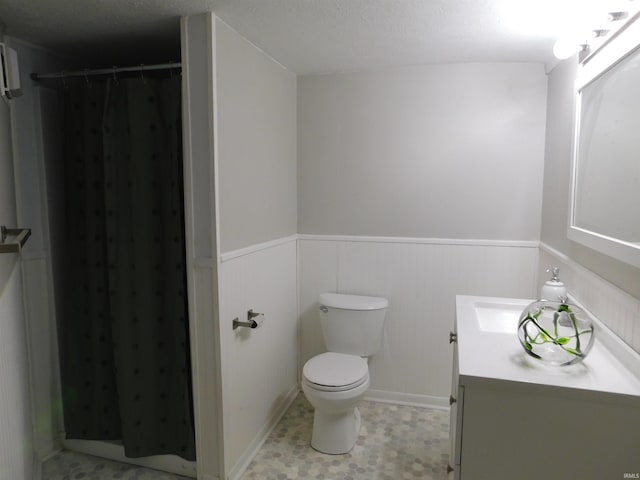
(335, 381)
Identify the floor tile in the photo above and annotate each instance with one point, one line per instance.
(68, 465)
(396, 442)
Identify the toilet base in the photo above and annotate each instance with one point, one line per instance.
(335, 433)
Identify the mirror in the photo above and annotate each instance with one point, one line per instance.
(605, 210)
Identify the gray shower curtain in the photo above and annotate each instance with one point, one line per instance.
(124, 341)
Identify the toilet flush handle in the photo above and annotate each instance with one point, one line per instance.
(323, 309)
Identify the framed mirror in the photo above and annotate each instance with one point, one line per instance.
(605, 206)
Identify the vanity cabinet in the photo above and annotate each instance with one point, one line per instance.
(456, 402)
(513, 417)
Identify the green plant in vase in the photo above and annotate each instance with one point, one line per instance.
(556, 333)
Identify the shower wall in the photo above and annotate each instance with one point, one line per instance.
(15, 419)
(37, 156)
(261, 135)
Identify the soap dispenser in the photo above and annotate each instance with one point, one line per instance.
(553, 289)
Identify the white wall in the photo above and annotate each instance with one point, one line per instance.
(256, 113)
(202, 245)
(421, 279)
(255, 133)
(608, 287)
(35, 116)
(16, 437)
(259, 367)
(446, 151)
(446, 155)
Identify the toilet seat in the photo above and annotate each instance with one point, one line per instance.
(335, 372)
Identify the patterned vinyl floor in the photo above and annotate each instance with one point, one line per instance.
(68, 465)
(396, 442)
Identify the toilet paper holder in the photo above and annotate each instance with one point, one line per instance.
(251, 322)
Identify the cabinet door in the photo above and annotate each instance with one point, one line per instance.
(525, 432)
(455, 419)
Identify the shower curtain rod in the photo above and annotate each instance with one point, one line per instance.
(105, 71)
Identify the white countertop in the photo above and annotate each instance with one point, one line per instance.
(488, 348)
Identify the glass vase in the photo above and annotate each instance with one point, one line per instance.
(556, 333)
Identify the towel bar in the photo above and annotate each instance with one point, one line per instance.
(15, 244)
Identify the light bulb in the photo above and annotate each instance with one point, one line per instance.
(565, 48)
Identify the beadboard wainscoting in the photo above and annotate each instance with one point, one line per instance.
(259, 366)
(43, 354)
(16, 447)
(421, 278)
(616, 309)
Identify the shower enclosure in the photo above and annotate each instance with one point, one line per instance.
(120, 273)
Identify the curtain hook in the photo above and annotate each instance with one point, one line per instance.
(86, 77)
(115, 77)
(64, 80)
(144, 80)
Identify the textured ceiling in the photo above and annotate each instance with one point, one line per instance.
(306, 36)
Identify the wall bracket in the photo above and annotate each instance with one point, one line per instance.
(13, 239)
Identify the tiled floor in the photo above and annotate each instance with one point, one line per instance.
(396, 442)
(71, 466)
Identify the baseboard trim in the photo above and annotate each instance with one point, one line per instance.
(49, 450)
(245, 459)
(51, 454)
(411, 399)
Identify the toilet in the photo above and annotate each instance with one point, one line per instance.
(335, 381)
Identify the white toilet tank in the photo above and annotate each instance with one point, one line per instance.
(352, 323)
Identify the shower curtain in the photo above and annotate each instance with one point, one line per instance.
(124, 338)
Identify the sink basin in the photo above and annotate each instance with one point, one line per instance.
(498, 318)
(488, 347)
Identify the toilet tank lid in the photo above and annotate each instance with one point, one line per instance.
(352, 302)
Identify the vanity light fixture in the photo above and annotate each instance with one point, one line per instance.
(615, 16)
(566, 47)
